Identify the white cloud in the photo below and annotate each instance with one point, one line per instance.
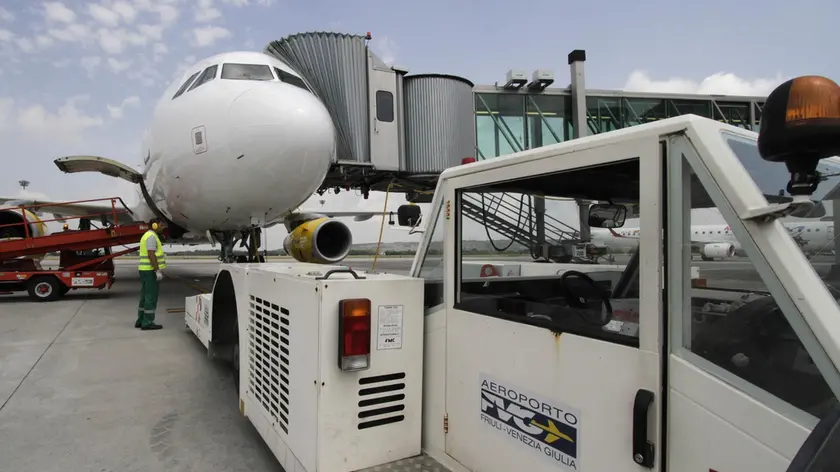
(68, 123)
(151, 31)
(168, 13)
(242, 3)
(25, 44)
(43, 40)
(385, 48)
(6, 15)
(116, 111)
(125, 10)
(74, 32)
(110, 42)
(721, 83)
(159, 50)
(205, 11)
(58, 12)
(117, 65)
(103, 14)
(208, 35)
(6, 35)
(90, 64)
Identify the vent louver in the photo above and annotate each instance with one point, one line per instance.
(268, 363)
(382, 400)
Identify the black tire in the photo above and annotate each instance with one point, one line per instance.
(44, 288)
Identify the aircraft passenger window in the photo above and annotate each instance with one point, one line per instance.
(206, 76)
(384, 106)
(246, 72)
(185, 85)
(431, 270)
(739, 331)
(496, 223)
(290, 79)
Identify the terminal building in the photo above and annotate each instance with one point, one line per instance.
(398, 130)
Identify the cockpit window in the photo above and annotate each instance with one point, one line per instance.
(206, 76)
(185, 85)
(246, 72)
(290, 79)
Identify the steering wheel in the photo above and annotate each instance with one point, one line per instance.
(584, 302)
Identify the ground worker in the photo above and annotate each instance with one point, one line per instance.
(152, 262)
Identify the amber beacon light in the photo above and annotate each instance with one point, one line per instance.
(800, 124)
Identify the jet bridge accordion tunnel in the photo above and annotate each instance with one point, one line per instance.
(390, 126)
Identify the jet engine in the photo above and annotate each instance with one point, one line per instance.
(10, 216)
(717, 251)
(320, 241)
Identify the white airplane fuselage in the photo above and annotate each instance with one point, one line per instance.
(235, 151)
(813, 236)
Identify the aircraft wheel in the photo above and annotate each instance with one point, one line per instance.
(44, 288)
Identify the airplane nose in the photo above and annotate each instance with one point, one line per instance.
(281, 144)
(277, 117)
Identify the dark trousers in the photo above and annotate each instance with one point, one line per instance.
(148, 298)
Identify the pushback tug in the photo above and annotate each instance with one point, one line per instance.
(546, 367)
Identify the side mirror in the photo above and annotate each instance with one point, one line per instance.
(408, 215)
(607, 216)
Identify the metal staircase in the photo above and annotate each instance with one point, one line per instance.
(514, 217)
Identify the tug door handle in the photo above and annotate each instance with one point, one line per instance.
(642, 448)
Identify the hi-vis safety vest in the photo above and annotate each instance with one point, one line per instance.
(145, 263)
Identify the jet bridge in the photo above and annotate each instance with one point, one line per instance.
(391, 127)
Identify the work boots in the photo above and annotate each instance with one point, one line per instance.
(147, 328)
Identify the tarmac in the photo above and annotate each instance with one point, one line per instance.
(82, 390)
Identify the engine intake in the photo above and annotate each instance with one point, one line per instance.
(319, 241)
(717, 251)
(18, 230)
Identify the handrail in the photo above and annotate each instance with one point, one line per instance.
(24, 208)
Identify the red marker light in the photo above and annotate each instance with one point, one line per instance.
(354, 334)
(467, 160)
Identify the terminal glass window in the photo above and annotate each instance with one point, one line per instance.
(246, 72)
(502, 247)
(185, 85)
(549, 119)
(733, 323)
(206, 76)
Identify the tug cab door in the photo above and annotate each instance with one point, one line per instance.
(552, 366)
(747, 380)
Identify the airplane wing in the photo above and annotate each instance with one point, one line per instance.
(63, 211)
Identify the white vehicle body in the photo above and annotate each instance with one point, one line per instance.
(238, 141)
(509, 389)
(718, 241)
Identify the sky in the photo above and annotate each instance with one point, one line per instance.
(80, 77)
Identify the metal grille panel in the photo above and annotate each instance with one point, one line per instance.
(381, 400)
(268, 359)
